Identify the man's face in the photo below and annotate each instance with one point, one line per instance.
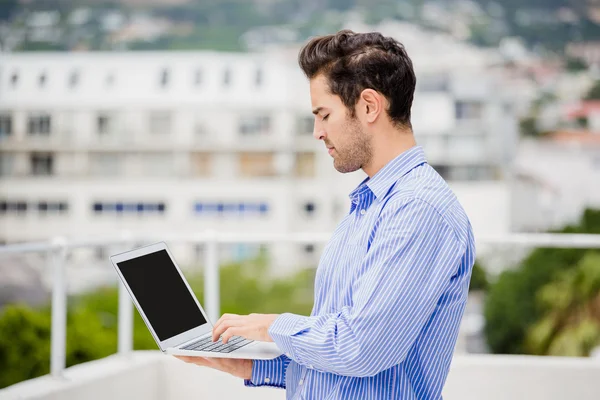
(347, 142)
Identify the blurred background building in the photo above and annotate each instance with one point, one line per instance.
(126, 118)
(203, 140)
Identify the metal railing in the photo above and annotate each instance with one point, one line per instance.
(58, 248)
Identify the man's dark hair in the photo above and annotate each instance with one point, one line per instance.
(352, 62)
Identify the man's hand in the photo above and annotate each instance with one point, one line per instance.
(252, 327)
(236, 367)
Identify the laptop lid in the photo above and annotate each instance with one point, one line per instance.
(162, 295)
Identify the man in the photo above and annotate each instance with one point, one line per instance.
(392, 283)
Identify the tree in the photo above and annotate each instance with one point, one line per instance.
(8, 8)
(92, 318)
(511, 307)
(574, 64)
(594, 92)
(479, 279)
(24, 344)
(570, 325)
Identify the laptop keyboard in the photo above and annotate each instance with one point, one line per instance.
(206, 344)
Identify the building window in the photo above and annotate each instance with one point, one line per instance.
(258, 77)
(42, 164)
(14, 79)
(305, 165)
(100, 253)
(138, 208)
(164, 77)
(18, 207)
(103, 124)
(309, 248)
(160, 122)
(39, 124)
(227, 77)
(310, 208)
(231, 209)
(201, 164)
(5, 126)
(254, 125)
(433, 83)
(7, 162)
(52, 207)
(73, 79)
(256, 165)
(443, 170)
(468, 110)
(105, 164)
(305, 125)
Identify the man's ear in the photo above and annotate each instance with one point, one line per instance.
(371, 105)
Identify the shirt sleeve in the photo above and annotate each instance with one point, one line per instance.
(268, 372)
(413, 256)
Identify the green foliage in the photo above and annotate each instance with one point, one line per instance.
(8, 9)
(24, 344)
(570, 325)
(479, 279)
(594, 92)
(219, 24)
(582, 122)
(92, 318)
(511, 307)
(575, 64)
(528, 126)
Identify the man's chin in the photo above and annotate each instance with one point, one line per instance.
(345, 169)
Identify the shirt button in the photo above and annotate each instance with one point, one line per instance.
(288, 355)
(310, 367)
(301, 382)
(362, 212)
(267, 380)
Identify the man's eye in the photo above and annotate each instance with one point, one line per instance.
(325, 117)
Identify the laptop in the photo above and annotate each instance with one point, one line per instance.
(172, 312)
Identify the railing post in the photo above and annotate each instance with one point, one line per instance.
(211, 277)
(58, 334)
(125, 343)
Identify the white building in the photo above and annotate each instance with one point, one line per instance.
(555, 181)
(95, 143)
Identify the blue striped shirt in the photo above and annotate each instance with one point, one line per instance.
(390, 291)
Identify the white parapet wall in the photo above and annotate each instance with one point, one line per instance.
(152, 376)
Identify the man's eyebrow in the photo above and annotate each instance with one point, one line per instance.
(316, 110)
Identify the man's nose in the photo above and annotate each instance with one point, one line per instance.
(318, 133)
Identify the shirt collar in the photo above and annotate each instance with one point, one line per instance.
(386, 177)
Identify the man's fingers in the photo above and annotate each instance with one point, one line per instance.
(229, 333)
(224, 317)
(224, 325)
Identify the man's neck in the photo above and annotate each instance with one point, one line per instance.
(387, 148)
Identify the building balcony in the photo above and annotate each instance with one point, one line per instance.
(153, 375)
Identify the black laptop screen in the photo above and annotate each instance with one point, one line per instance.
(162, 294)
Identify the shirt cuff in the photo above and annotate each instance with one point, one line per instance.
(282, 330)
(267, 373)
